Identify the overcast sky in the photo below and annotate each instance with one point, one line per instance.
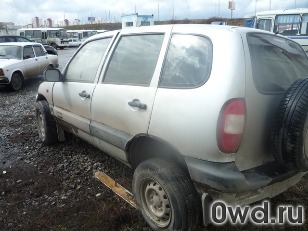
(21, 12)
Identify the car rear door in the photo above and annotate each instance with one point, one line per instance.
(31, 63)
(72, 97)
(123, 99)
(41, 57)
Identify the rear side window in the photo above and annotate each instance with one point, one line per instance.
(28, 52)
(188, 63)
(20, 39)
(276, 62)
(134, 60)
(39, 51)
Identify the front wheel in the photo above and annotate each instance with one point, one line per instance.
(166, 196)
(16, 82)
(46, 124)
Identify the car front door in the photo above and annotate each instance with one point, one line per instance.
(123, 99)
(72, 97)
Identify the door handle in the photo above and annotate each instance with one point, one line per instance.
(84, 94)
(136, 103)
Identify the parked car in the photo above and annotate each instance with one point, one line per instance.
(23, 60)
(14, 38)
(193, 128)
(74, 42)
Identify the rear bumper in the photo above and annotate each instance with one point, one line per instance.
(226, 178)
(223, 181)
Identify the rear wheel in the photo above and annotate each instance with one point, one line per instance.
(46, 125)
(166, 196)
(16, 81)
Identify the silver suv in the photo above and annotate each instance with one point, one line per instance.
(200, 112)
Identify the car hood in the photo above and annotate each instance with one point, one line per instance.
(7, 62)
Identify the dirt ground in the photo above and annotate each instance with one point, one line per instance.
(54, 188)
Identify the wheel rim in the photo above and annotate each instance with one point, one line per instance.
(156, 203)
(40, 124)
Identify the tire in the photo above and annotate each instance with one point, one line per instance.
(46, 124)
(16, 81)
(289, 137)
(166, 196)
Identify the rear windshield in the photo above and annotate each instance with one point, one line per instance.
(276, 62)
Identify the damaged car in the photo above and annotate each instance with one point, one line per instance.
(197, 118)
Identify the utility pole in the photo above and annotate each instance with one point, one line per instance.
(157, 10)
(172, 10)
(218, 8)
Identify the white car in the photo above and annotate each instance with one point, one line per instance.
(23, 60)
(74, 42)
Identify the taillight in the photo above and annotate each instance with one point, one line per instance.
(231, 125)
(1, 72)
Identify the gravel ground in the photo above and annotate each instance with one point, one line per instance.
(53, 187)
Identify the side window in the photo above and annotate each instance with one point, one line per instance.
(276, 62)
(39, 51)
(84, 64)
(287, 24)
(20, 39)
(134, 60)
(265, 24)
(28, 52)
(304, 26)
(188, 63)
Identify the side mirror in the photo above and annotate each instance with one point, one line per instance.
(53, 75)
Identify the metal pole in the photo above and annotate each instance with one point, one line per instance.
(158, 11)
(255, 7)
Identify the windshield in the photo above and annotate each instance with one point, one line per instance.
(10, 52)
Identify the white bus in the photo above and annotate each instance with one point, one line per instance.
(82, 35)
(55, 37)
(291, 23)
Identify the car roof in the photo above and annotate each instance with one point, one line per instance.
(188, 28)
(22, 44)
